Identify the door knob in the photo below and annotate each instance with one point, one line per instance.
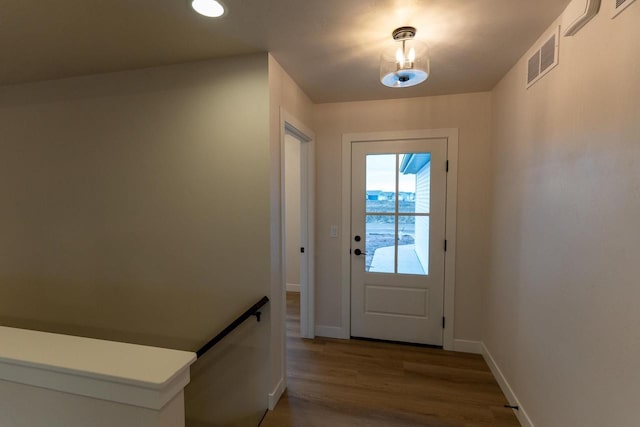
(359, 252)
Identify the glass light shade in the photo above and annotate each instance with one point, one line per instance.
(209, 8)
(404, 64)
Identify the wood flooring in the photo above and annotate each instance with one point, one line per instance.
(335, 383)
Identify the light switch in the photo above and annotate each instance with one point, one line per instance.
(334, 231)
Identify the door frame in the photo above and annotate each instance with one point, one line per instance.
(291, 125)
(451, 135)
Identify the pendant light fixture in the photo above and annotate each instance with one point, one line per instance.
(407, 64)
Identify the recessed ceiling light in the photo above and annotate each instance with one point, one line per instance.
(210, 8)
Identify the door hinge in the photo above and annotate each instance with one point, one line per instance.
(301, 250)
(445, 245)
(443, 322)
(446, 167)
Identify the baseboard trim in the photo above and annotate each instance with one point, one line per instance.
(276, 394)
(332, 332)
(293, 287)
(467, 346)
(521, 414)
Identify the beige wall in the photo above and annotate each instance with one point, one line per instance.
(471, 114)
(129, 201)
(116, 216)
(562, 317)
(285, 94)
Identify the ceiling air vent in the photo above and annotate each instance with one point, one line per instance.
(543, 59)
(620, 5)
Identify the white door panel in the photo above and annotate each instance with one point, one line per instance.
(397, 237)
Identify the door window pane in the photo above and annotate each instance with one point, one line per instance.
(381, 183)
(390, 234)
(413, 245)
(380, 240)
(414, 183)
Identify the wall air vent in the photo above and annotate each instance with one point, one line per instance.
(543, 59)
(619, 6)
(533, 69)
(577, 14)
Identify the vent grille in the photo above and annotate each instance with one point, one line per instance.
(534, 67)
(548, 54)
(543, 59)
(620, 6)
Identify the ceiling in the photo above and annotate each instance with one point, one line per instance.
(331, 48)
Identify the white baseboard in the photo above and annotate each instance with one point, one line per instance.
(275, 395)
(293, 287)
(332, 332)
(521, 414)
(467, 346)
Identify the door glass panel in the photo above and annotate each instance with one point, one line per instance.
(413, 245)
(380, 238)
(381, 183)
(414, 182)
(406, 177)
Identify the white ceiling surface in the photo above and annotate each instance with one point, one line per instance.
(331, 48)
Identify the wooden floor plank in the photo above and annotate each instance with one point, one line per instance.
(363, 383)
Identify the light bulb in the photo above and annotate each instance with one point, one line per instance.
(412, 55)
(210, 8)
(400, 57)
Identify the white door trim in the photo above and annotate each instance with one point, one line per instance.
(290, 124)
(451, 134)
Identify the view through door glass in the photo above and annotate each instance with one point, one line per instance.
(397, 213)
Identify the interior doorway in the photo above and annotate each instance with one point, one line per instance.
(298, 220)
(292, 213)
(294, 232)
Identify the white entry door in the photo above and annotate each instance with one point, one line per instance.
(398, 240)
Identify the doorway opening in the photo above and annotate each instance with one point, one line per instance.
(297, 151)
(294, 249)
